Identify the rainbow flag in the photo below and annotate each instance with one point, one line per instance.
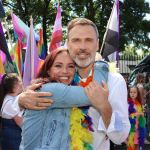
(57, 32)
(17, 57)
(41, 48)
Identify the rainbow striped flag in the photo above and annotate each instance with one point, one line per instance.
(41, 48)
(17, 57)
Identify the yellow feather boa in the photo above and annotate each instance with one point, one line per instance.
(79, 135)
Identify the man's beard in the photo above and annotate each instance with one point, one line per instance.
(84, 63)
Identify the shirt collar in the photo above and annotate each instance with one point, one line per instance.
(84, 79)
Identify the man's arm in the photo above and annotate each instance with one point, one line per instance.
(119, 126)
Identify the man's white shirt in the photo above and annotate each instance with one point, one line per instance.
(119, 126)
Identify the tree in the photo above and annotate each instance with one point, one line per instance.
(37, 8)
(94, 10)
(133, 26)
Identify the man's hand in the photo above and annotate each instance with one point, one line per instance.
(31, 99)
(98, 95)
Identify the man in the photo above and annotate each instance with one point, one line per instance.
(109, 114)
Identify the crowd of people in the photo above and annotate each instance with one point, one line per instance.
(75, 102)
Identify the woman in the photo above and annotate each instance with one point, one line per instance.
(50, 128)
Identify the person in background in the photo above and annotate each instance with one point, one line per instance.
(126, 79)
(140, 83)
(147, 103)
(137, 120)
(10, 86)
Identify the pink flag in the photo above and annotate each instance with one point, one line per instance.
(57, 32)
(31, 58)
(21, 29)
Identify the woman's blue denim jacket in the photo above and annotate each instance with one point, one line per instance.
(49, 129)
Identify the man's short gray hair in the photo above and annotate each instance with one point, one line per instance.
(81, 21)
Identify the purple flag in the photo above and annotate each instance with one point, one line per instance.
(111, 37)
(31, 58)
(3, 44)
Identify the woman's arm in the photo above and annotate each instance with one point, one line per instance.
(30, 98)
(65, 96)
(73, 96)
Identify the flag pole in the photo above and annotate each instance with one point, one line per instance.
(31, 46)
(103, 40)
